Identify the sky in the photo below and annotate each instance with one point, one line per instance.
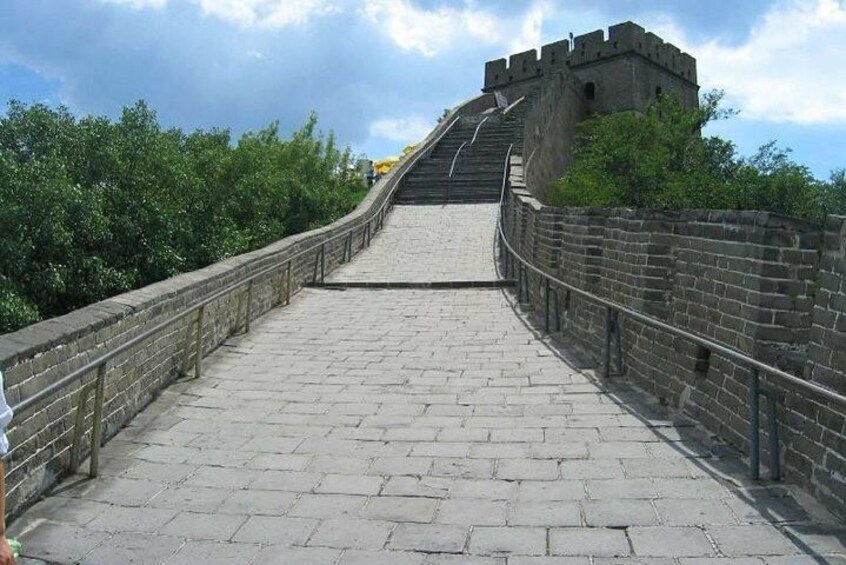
(380, 72)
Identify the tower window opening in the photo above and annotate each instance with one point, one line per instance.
(659, 92)
(590, 91)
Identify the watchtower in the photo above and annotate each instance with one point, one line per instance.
(624, 71)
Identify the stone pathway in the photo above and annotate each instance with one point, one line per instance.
(429, 243)
(415, 427)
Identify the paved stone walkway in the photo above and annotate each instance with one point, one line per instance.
(418, 427)
(429, 243)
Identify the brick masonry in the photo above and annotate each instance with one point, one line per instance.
(752, 281)
(34, 357)
(549, 129)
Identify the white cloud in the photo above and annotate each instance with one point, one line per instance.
(252, 13)
(790, 68)
(138, 4)
(531, 29)
(404, 130)
(267, 13)
(431, 31)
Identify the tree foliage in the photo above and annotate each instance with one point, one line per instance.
(661, 160)
(91, 207)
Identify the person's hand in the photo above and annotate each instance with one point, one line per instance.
(6, 556)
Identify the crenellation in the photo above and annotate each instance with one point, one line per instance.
(625, 39)
(496, 73)
(625, 36)
(555, 54)
(586, 43)
(523, 66)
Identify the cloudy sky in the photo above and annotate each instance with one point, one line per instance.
(380, 72)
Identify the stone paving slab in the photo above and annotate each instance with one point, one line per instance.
(412, 427)
(429, 243)
(420, 427)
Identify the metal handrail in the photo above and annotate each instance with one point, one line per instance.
(513, 105)
(100, 363)
(478, 127)
(455, 158)
(614, 309)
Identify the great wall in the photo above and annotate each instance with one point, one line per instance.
(411, 385)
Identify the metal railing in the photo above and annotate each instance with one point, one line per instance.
(478, 127)
(513, 105)
(100, 365)
(452, 170)
(613, 312)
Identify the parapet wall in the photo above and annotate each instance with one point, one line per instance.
(744, 279)
(623, 39)
(828, 333)
(35, 357)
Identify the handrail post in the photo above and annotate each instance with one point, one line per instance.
(248, 311)
(525, 275)
(556, 311)
(775, 447)
(79, 422)
(546, 311)
(198, 359)
(97, 423)
(607, 354)
(288, 283)
(754, 439)
(520, 283)
(322, 262)
(618, 339)
(348, 247)
(315, 267)
(281, 288)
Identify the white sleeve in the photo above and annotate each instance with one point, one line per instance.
(5, 419)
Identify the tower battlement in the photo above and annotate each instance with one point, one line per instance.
(623, 39)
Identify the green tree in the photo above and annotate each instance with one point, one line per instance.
(661, 160)
(91, 207)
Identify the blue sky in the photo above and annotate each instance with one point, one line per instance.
(380, 72)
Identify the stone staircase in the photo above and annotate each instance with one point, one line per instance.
(483, 141)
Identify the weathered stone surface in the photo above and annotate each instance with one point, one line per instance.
(302, 406)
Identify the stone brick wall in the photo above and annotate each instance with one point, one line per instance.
(752, 281)
(35, 357)
(550, 128)
(827, 366)
(828, 332)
